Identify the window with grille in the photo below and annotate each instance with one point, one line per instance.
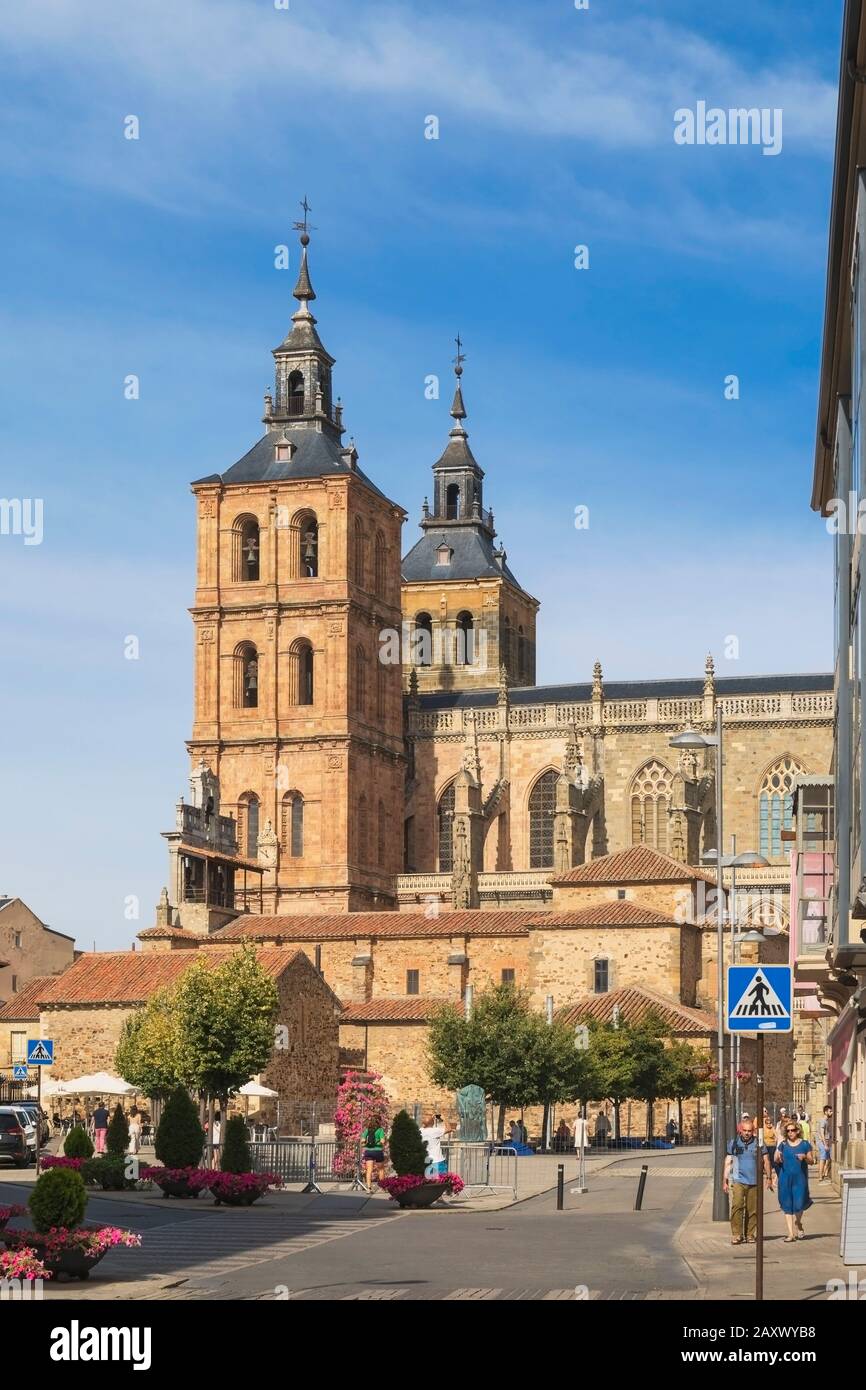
(650, 801)
(18, 1042)
(412, 981)
(542, 805)
(601, 976)
(508, 977)
(776, 805)
(445, 820)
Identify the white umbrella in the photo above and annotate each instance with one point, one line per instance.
(255, 1088)
(99, 1084)
(50, 1087)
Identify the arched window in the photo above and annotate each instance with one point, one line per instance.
(360, 680)
(305, 538)
(360, 554)
(248, 824)
(422, 640)
(292, 824)
(522, 664)
(465, 639)
(379, 568)
(445, 829)
(650, 802)
(381, 835)
(296, 393)
(776, 805)
(246, 676)
(380, 690)
(361, 830)
(542, 804)
(452, 502)
(245, 548)
(301, 666)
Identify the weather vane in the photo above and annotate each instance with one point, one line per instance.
(460, 358)
(303, 227)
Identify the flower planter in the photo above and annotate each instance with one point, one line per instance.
(178, 1182)
(176, 1187)
(74, 1253)
(240, 1189)
(410, 1191)
(7, 1213)
(237, 1199)
(423, 1196)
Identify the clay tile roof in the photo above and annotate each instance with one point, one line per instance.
(621, 912)
(25, 1004)
(169, 933)
(639, 864)
(336, 926)
(131, 977)
(410, 1010)
(634, 1005)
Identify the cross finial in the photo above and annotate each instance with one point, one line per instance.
(460, 358)
(303, 227)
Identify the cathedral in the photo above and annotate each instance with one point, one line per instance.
(378, 780)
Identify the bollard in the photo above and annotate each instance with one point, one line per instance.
(640, 1187)
(560, 1185)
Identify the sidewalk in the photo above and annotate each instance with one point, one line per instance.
(791, 1272)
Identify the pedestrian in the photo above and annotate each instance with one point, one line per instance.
(514, 1132)
(741, 1180)
(433, 1133)
(781, 1124)
(100, 1127)
(805, 1126)
(373, 1140)
(792, 1158)
(134, 1130)
(672, 1131)
(562, 1137)
(217, 1129)
(769, 1136)
(825, 1140)
(602, 1129)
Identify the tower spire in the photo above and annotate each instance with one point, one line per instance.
(303, 290)
(458, 409)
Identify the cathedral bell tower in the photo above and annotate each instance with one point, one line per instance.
(298, 580)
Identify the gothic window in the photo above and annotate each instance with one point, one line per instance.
(361, 835)
(445, 828)
(245, 548)
(360, 680)
(360, 554)
(381, 835)
(600, 975)
(776, 805)
(379, 565)
(542, 804)
(465, 639)
(422, 640)
(246, 676)
(452, 502)
(248, 824)
(650, 802)
(301, 672)
(305, 541)
(292, 825)
(295, 387)
(380, 691)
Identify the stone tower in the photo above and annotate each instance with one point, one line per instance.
(298, 578)
(465, 614)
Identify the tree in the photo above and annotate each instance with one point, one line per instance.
(146, 1055)
(78, 1143)
(408, 1149)
(649, 1075)
(361, 1099)
(117, 1138)
(179, 1137)
(235, 1157)
(58, 1200)
(614, 1064)
(683, 1079)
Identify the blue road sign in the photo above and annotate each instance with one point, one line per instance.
(40, 1052)
(19, 1073)
(760, 999)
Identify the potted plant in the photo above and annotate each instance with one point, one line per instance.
(179, 1142)
(234, 1185)
(78, 1144)
(59, 1244)
(412, 1187)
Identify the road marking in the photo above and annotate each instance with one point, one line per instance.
(381, 1295)
(660, 1172)
(471, 1294)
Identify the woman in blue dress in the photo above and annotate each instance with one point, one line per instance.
(792, 1158)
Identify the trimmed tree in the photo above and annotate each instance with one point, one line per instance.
(613, 1059)
(78, 1144)
(179, 1138)
(58, 1199)
(117, 1138)
(647, 1040)
(146, 1055)
(683, 1079)
(235, 1156)
(408, 1149)
(361, 1098)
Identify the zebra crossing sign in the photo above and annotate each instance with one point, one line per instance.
(759, 999)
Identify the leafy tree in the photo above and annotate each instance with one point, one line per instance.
(179, 1137)
(78, 1144)
(361, 1099)
(117, 1138)
(146, 1055)
(649, 1073)
(613, 1062)
(58, 1199)
(235, 1157)
(683, 1079)
(408, 1149)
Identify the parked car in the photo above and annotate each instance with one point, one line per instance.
(38, 1118)
(17, 1136)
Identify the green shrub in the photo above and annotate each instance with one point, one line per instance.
(117, 1138)
(408, 1150)
(179, 1136)
(58, 1199)
(77, 1144)
(109, 1173)
(235, 1149)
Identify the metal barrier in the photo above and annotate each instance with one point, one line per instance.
(484, 1167)
(309, 1161)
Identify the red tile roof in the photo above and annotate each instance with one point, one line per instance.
(170, 933)
(409, 1010)
(24, 1005)
(639, 864)
(634, 1005)
(131, 977)
(621, 912)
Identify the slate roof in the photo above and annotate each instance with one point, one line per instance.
(25, 1004)
(317, 455)
(675, 688)
(634, 1005)
(131, 977)
(638, 864)
(473, 557)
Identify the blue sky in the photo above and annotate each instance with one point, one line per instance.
(602, 388)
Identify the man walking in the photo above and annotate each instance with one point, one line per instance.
(100, 1126)
(825, 1140)
(741, 1180)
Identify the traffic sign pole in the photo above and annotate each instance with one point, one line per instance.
(39, 1114)
(759, 1185)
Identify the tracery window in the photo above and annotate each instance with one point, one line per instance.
(445, 827)
(776, 805)
(650, 803)
(542, 805)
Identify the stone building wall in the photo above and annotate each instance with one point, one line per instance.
(31, 948)
(562, 960)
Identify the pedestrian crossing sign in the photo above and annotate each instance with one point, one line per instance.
(759, 999)
(40, 1052)
(19, 1073)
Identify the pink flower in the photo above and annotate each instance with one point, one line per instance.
(22, 1263)
(395, 1187)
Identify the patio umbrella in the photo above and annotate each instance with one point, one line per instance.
(50, 1087)
(101, 1083)
(255, 1088)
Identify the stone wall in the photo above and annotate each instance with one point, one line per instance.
(31, 948)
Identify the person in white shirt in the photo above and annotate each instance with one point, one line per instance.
(433, 1133)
